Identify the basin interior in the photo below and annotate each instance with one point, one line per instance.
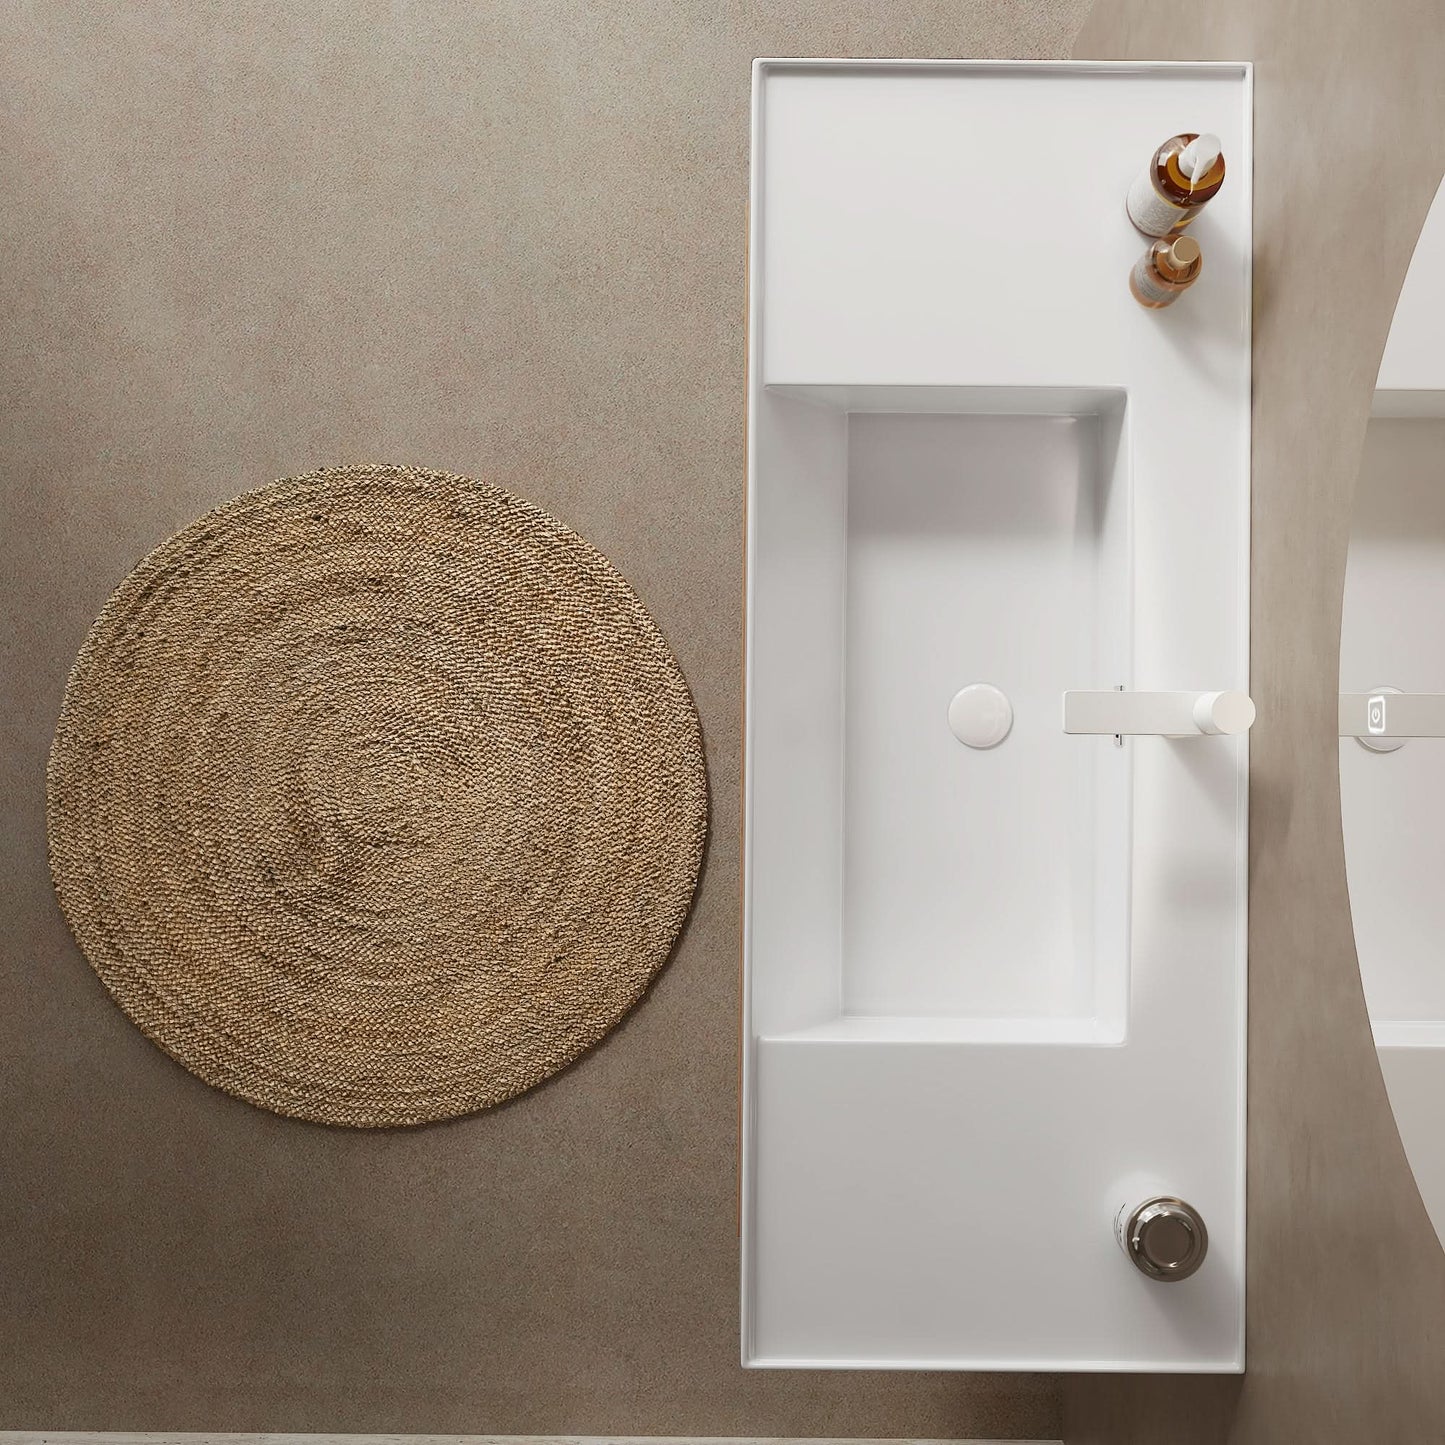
(904, 545)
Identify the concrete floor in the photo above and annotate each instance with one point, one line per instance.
(506, 240)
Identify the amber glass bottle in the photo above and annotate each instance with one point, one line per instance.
(1165, 271)
(1168, 194)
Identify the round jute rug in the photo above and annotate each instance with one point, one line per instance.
(376, 797)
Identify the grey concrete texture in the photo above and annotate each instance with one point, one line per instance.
(507, 239)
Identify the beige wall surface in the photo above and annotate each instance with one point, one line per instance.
(246, 239)
(1346, 1312)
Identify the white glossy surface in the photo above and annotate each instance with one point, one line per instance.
(959, 472)
(993, 546)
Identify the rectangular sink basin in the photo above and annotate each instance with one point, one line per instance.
(948, 891)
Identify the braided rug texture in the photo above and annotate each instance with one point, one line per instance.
(376, 796)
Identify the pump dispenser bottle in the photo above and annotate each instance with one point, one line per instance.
(1165, 271)
(1183, 176)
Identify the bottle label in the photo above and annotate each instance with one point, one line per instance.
(1121, 1221)
(1152, 213)
(1148, 286)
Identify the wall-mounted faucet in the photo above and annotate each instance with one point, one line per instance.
(1158, 714)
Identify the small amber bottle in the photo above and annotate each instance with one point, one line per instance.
(1184, 175)
(1165, 271)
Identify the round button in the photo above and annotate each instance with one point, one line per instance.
(1166, 1238)
(980, 716)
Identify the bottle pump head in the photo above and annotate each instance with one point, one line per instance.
(1197, 159)
(1184, 252)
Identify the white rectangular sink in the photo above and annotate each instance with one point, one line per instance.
(991, 993)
